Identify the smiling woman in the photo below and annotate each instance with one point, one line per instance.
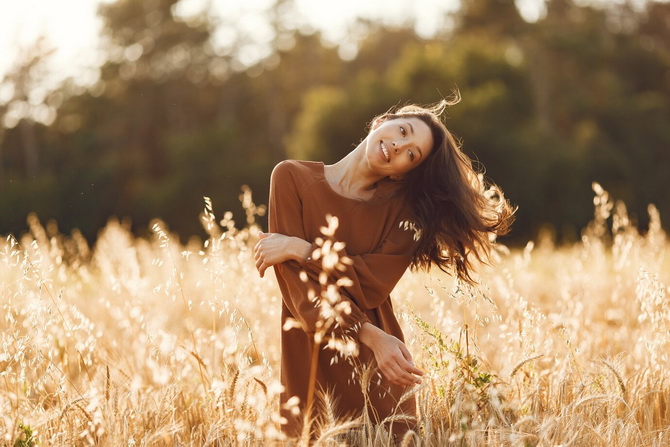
(405, 196)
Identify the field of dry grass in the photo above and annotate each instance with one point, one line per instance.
(149, 342)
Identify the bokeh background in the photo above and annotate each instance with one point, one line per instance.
(175, 100)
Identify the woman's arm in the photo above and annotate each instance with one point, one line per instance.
(275, 248)
(373, 276)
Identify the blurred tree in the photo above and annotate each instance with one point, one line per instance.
(380, 48)
(654, 29)
(156, 63)
(497, 17)
(271, 100)
(597, 90)
(171, 121)
(638, 121)
(28, 181)
(547, 107)
(23, 106)
(156, 81)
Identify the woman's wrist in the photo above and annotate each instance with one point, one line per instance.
(369, 333)
(300, 249)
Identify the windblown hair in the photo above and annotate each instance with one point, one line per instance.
(456, 213)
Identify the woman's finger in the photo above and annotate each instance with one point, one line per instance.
(393, 375)
(397, 374)
(261, 266)
(402, 381)
(405, 378)
(409, 365)
(410, 368)
(416, 371)
(410, 372)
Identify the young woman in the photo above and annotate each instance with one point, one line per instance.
(408, 169)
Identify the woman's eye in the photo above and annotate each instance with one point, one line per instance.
(402, 130)
(411, 155)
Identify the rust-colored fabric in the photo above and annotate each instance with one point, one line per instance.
(380, 248)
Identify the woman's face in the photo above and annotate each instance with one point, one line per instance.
(395, 146)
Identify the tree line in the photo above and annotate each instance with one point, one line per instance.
(581, 95)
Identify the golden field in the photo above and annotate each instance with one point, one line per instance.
(143, 342)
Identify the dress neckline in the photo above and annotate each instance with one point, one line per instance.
(382, 190)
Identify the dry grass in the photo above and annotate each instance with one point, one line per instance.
(146, 342)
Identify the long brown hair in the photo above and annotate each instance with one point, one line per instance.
(455, 211)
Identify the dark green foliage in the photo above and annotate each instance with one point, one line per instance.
(548, 108)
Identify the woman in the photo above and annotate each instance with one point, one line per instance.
(408, 169)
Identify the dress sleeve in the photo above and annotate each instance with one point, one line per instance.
(374, 275)
(286, 217)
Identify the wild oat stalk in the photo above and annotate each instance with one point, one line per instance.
(164, 240)
(331, 308)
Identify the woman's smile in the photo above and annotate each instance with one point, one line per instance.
(385, 152)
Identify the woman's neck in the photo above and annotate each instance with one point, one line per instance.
(351, 176)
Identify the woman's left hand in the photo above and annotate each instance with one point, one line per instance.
(275, 248)
(392, 356)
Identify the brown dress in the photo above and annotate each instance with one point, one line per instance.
(380, 249)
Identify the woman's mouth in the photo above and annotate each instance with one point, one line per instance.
(385, 152)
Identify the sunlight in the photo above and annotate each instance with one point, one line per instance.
(70, 27)
(333, 17)
(74, 34)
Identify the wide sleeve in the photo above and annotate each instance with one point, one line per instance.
(374, 275)
(286, 217)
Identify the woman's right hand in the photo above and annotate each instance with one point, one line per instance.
(392, 356)
(275, 248)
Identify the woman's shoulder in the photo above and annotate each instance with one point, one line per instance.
(299, 170)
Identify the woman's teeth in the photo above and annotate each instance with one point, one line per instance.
(386, 152)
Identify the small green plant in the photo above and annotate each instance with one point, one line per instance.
(466, 365)
(26, 437)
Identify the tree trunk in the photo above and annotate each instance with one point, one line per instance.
(2, 158)
(27, 129)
